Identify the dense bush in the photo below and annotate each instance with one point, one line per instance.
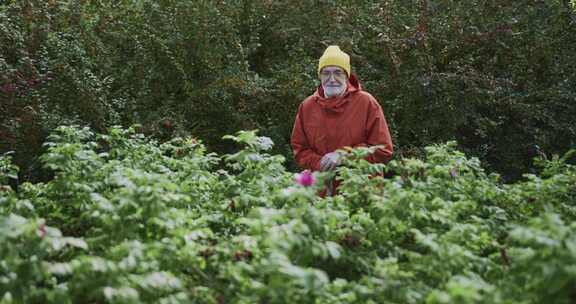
(127, 219)
(497, 76)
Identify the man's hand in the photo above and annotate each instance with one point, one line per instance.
(329, 161)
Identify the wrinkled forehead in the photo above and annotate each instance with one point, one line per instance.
(332, 68)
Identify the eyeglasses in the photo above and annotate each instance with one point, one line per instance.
(338, 74)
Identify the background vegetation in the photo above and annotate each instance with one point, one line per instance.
(497, 76)
(150, 214)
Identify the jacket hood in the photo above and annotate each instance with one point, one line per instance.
(335, 104)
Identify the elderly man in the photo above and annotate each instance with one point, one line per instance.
(337, 115)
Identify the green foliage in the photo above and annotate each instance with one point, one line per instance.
(495, 76)
(127, 219)
(548, 245)
(26, 246)
(7, 169)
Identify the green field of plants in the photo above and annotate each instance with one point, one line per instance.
(119, 183)
(126, 219)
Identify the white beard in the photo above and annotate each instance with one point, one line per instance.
(330, 92)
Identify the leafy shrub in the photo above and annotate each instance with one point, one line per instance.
(145, 221)
(495, 76)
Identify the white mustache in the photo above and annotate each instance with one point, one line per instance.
(333, 90)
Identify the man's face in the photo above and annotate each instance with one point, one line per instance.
(334, 81)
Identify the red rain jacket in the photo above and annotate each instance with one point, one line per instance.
(354, 119)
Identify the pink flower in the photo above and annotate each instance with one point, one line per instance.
(42, 231)
(305, 178)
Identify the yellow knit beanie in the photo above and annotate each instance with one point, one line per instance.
(334, 56)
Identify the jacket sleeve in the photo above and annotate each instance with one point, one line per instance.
(305, 156)
(377, 134)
